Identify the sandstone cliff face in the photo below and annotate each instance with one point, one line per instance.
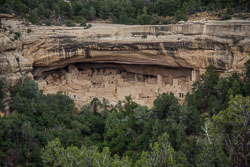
(168, 58)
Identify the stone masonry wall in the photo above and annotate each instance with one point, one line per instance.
(83, 82)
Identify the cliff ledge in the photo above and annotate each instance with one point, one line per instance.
(112, 61)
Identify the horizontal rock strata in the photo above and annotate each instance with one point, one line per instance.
(172, 55)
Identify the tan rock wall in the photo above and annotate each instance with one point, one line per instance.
(151, 57)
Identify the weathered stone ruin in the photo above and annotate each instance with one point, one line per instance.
(83, 82)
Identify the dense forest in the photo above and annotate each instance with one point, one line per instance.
(119, 11)
(211, 128)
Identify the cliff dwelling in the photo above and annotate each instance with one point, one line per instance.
(111, 62)
(82, 82)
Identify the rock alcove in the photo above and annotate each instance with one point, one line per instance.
(85, 81)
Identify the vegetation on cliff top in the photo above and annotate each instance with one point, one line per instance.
(210, 129)
(119, 11)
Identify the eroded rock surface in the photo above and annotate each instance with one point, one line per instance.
(143, 60)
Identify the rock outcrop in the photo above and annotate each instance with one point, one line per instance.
(141, 61)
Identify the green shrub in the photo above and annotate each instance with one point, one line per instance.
(236, 41)
(69, 23)
(180, 16)
(78, 19)
(88, 26)
(3, 94)
(165, 21)
(226, 17)
(155, 20)
(229, 11)
(33, 18)
(48, 23)
(144, 19)
(18, 34)
(29, 31)
(83, 22)
(144, 36)
(17, 59)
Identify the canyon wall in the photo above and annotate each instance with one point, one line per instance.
(113, 61)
